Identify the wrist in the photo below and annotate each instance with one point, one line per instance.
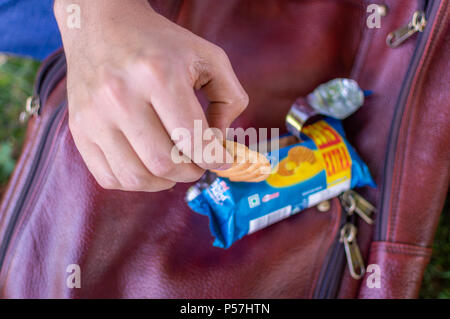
(94, 11)
(96, 18)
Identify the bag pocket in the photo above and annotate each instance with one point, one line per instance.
(394, 270)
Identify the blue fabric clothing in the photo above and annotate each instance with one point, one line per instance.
(28, 28)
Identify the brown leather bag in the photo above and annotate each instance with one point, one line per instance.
(152, 245)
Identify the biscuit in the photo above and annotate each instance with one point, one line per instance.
(299, 154)
(248, 165)
(296, 156)
(286, 167)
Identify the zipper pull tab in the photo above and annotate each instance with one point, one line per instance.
(32, 106)
(417, 24)
(354, 259)
(353, 202)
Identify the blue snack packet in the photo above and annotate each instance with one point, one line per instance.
(321, 166)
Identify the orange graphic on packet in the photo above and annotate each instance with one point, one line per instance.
(333, 150)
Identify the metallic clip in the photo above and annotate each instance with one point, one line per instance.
(32, 106)
(417, 24)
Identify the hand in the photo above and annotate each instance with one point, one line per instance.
(131, 82)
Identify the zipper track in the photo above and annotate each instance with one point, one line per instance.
(49, 76)
(335, 263)
(44, 69)
(389, 161)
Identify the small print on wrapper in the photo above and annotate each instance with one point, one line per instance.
(321, 166)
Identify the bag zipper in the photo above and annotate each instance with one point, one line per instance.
(52, 71)
(345, 247)
(352, 203)
(417, 24)
(430, 9)
(328, 287)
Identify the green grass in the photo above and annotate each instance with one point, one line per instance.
(436, 281)
(16, 84)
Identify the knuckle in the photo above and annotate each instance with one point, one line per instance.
(200, 73)
(80, 119)
(162, 166)
(111, 88)
(185, 144)
(134, 182)
(156, 67)
(241, 100)
(220, 53)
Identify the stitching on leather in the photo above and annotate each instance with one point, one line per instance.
(424, 62)
(405, 249)
(405, 252)
(395, 178)
(401, 154)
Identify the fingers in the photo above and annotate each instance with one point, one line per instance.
(143, 129)
(133, 122)
(154, 147)
(129, 170)
(179, 111)
(97, 164)
(227, 97)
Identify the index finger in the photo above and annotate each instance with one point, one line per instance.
(225, 93)
(181, 114)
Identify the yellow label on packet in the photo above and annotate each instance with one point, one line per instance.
(319, 167)
(300, 173)
(332, 150)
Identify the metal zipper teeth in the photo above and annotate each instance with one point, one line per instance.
(328, 287)
(389, 161)
(50, 71)
(30, 178)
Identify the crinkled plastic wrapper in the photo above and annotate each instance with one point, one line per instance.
(321, 166)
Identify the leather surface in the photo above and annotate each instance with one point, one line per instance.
(152, 245)
(400, 273)
(382, 70)
(424, 122)
(421, 174)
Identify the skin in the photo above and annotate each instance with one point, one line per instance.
(131, 81)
